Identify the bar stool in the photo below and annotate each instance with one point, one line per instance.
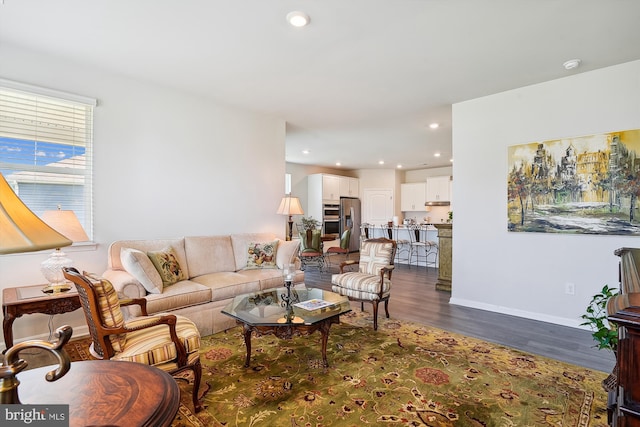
(404, 244)
(421, 248)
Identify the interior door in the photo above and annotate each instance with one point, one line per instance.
(377, 205)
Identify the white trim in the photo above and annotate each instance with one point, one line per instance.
(572, 323)
(37, 90)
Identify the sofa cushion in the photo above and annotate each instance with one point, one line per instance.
(240, 243)
(166, 262)
(262, 255)
(146, 246)
(182, 294)
(138, 264)
(209, 254)
(287, 252)
(266, 278)
(228, 284)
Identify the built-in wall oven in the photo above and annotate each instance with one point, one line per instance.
(330, 218)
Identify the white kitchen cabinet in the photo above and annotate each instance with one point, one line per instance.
(412, 196)
(439, 189)
(330, 188)
(349, 187)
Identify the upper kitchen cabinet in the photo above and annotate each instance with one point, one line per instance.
(412, 196)
(331, 187)
(349, 187)
(438, 190)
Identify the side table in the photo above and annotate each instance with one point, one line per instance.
(29, 300)
(106, 393)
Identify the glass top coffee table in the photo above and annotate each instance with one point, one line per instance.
(267, 312)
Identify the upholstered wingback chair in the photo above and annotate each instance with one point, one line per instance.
(166, 341)
(372, 282)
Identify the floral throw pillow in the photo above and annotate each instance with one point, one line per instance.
(166, 262)
(262, 255)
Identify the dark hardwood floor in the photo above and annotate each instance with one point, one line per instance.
(414, 298)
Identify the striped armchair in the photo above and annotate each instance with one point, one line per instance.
(166, 341)
(372, 282)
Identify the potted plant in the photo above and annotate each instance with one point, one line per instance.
(604, 333)
(310, 223)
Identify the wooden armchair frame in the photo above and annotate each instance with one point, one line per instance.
(101, 334)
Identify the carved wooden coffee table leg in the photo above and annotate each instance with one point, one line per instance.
(247, 342)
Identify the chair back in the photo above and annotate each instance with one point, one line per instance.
(417, 233)
(311, 241)
(376, 254)
(345, 239)
(101, 308)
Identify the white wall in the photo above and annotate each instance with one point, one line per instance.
(167, 164)
(525, 273)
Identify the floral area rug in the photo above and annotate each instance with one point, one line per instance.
(402, 374)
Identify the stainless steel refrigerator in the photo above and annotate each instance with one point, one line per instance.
(350, 217)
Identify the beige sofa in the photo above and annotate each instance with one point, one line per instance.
(215, 268)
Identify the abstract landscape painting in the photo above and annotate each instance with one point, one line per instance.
(581, 185)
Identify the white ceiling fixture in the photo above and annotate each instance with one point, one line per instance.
(381, 162)
(436, 155)
(571, 64)
(434, 125)
(298, 19)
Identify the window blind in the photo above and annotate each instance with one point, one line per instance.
(46, 148)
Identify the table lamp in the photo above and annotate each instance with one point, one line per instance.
(66, 223)
(290, 206)
(22, 231)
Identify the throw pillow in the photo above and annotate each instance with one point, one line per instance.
(262, 255)
(287, 252)
(166, 262)
(138, 264)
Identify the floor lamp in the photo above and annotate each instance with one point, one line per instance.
(290, 206)
(22, 231)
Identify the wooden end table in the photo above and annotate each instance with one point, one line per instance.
(27, 300)
(106, 393)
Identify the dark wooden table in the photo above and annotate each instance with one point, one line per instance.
(106, 393)
(14, 305)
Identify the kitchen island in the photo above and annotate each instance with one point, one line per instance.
(404, 235)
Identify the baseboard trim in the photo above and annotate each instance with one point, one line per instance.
(572, 323)
(78, 332)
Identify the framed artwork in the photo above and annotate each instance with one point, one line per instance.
(581, 185)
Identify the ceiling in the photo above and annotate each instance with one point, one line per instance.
(360, 84)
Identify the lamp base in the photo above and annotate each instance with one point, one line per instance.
(56, 289)
(51, 269)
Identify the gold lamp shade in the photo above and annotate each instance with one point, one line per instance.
(20, 229)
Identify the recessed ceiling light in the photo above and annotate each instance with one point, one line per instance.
(451, 160)
(305, 151)
(381, 162)
(436, 155)
(338, 164)
(571, 64)
(298, 19)
(434, 125)
(399, 166)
